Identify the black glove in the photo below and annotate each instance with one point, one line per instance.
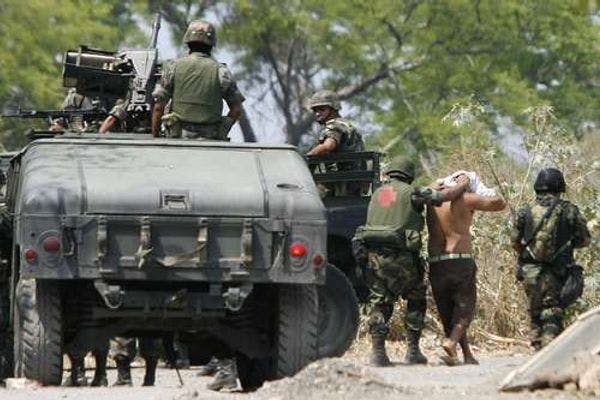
(359, 251)
(519, 273)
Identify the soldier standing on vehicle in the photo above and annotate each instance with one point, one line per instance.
(544, 235)
(77, 102)
(392, 237)
(337, 133)
(452, 269)
(197, 85)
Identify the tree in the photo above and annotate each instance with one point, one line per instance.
(294, 48)
(34, 37)
(405, 63)
(509, 55)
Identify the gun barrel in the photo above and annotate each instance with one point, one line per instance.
(155, 29)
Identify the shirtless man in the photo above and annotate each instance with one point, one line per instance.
(452, 270)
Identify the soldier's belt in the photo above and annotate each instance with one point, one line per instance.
(450, 256)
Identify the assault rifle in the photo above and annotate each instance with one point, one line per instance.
(128, 75)
(67, 115)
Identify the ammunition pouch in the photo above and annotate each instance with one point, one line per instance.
(409, 240)
(172, 123)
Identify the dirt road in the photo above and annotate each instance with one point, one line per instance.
(334, 379)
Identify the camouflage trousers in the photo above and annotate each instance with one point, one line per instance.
(393, 273)
(542, 286)
(126, 348)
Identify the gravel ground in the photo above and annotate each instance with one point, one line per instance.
(335, 379)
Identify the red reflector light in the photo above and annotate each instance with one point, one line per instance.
(297, 249)
(318, 260)
(30, 255)
(51, 244)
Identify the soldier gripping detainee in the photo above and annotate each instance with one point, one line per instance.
(391, 240)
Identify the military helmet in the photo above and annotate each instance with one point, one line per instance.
(202, 32)
(325, 98)
(550, 180)
(403, 165)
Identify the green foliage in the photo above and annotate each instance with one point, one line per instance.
(509, 55)
(34, 34)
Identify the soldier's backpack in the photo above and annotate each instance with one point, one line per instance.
(541, 236)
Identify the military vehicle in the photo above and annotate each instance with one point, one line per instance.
(121, 235)
(346, 181)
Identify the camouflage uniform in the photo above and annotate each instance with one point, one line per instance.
(344, 133)
(395, 269)
(199, 118)
(73, 102)
(123, 351)
(543, 281)
(392, 237)
(127, 121)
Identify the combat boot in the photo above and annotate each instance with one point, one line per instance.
(209, 368)
(123, 372)
(226, 376)
(379, 357)
(77, 377)
(100, 373)
(150, 375)
(413, 352)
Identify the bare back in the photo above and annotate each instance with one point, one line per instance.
(449, 224)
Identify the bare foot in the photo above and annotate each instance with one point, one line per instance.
(450, 357)
(471, 360)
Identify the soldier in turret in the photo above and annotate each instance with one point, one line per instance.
(197, 85)
(337, 133)
(392, 237)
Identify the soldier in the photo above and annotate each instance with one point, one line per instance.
(75, 102)
(196, 85)
(392, 237)
(123, 350)
(337, 134)
(544, 235)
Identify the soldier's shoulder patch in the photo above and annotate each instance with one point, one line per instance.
(338, 124)
(387, 196)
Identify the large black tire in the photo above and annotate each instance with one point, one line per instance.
(38, 332)
(297, 333)
(338, 314)
(6, 338)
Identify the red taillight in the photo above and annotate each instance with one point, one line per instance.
(318, 260)
(297, 249)
(30, 255)
(51, 244)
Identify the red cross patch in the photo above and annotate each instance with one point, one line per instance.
(387, 196)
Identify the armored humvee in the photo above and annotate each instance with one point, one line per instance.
(346, 181)
(123, 235)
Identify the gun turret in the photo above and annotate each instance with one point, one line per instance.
(129, 75)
